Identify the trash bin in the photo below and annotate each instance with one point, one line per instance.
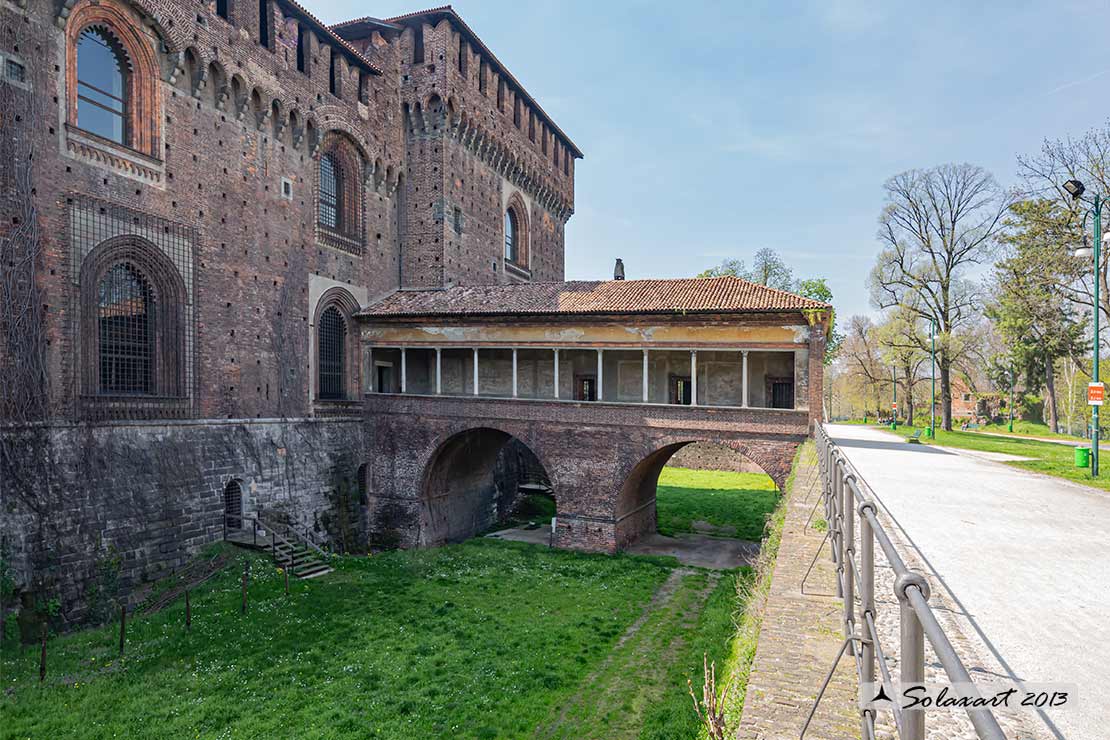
(1082, 457)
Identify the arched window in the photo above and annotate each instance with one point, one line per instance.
(331, 189)
(102, 86)
(134, 325)
(340, 195)
(331, 339)
(512, 246)
(125, 320)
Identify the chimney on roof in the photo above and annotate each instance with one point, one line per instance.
(618, 271)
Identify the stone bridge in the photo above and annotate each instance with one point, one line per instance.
(432, 461)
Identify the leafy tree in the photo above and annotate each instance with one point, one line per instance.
(1086, 158)
(768, 269)
(937, 225)
(728, 266)
(1035, 318)
(900, 338)
(862, 358)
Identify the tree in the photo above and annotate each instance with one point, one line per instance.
(900, 340)
(863, 361)
(768, 269)
(1086, 159)
(1037, 321)
(728, 266)
(937, 225)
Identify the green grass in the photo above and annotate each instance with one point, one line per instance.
(481, 640)
(1028, 429)
(1046, 457)
(741, 501)
(487, 639)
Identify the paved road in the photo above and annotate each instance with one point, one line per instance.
(1027, 555)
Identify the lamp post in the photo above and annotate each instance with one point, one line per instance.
(894, 405)
(1011, 427)
(933, 391)
(1076, 189)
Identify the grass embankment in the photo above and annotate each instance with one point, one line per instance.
(1029, 429)
(736, 504)
(1049, 458)
(487, 639)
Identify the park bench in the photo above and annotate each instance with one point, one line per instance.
(915, 439)
(969, 427)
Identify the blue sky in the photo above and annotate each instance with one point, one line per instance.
(714, 129)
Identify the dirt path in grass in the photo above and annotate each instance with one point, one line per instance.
(610, 703)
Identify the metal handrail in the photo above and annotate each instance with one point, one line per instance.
(843, 502)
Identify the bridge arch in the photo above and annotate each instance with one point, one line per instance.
(472, 480)
(634, 512)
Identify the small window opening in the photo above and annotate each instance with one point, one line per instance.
(264, 23)
(333, 76)
(221, 8)
(16, 71)
(418, 45)
(302, 51)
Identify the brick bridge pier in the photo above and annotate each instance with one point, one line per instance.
(432, 470)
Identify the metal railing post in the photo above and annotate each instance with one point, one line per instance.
(912, 651)
(866, 605)
(849, 553)
(837, 525)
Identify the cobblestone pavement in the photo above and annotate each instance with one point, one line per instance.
(800, 636)
(1017, 563)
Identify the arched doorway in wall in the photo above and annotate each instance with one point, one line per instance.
(478, 479)
(704, 495)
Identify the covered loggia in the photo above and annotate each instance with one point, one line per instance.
(703, 501)
(475, 480)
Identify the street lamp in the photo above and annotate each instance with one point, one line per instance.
(1011, 427)
(933, 392)
(1076, 189)
(894, 406)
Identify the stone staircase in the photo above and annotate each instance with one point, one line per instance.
(289, 550)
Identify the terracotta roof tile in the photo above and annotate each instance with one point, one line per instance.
(685, 295)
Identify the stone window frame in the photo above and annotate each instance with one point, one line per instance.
(143, 118)
(169, 298)
(342, 300)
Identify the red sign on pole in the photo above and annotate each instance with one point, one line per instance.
(894, 406)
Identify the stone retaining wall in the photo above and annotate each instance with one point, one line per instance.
(90, 509)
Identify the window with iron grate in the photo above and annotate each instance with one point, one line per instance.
(233, 505)
(125, 320)
(340, 196)
(330, 188)
(331, 338)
